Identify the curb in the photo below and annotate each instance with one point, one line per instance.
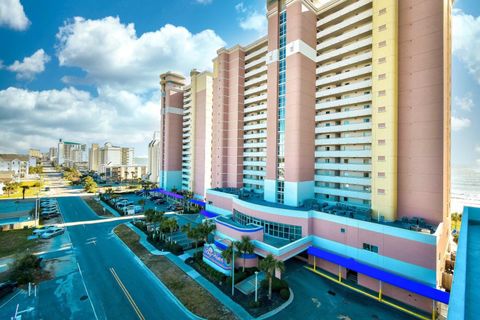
(161, 284)
(280, 308)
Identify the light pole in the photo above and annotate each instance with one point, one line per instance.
(233, 270)
(256, 286)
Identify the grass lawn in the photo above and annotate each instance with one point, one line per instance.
(190, 293)
(97, 207)
(15, 241)
(31, 192)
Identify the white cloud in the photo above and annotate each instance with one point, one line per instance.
(39, 118)
(112, 54)
(12, 15)
(464, 103)
(251, 19)
(466, 41)
(477, 148)
(459, 123)
(30, 66)
(204, 1)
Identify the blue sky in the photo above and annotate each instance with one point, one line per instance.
(88, 70)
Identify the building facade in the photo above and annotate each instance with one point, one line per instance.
(331, 140)
(15, 165)
(99, 158)
(125, 172)
(71, 154)
(153, 158)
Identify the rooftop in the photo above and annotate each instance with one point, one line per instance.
(13, 156)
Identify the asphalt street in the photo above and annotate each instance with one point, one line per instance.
(118, 286)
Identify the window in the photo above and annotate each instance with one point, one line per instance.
(382, 93)
(381, 174)
(342, 230)
(382, 44)
(383, 11)
(381, 126)
(383, 27)
(382, 76)
(381, 191)
(382, 60)
(381, 109)
(381, 158)
(381, 142)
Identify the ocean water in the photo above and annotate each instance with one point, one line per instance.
(465, 188)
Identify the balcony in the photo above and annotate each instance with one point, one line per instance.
(256, 80)
(254, 163)
(253, 181)
(340, 141)
(345, 88)
(255, 145)
(253, 54)
(343, 166)
(344, 37)
(254, 154)
(257, 126)
(345, 127)
(255, 135)
(255, 62)
(259, 173)
(344, 193)
(255, 90)
(344, 154)
(337, 53)
(345, 180)
(256, 71)
(345, 76)
(344, 102)
(344, 115)
(255, 108)
(345, 23)
(259, 98)
(340, 13)
(363, 57)
(255, 117)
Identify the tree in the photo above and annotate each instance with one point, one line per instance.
(90, 185)
(245, 246)
(11, 187)
(24, 269)
(204, 229)
(170, 224)
(227, 254)
(192, 233)
(142, 203)
(269, 265)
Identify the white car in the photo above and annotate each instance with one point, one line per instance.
(43, 229)
(52, 233)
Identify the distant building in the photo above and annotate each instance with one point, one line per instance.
(35, 153)
(71, 154)
(125, 172)
(52, 154)
(153, 158)
(109, 155)
(16, 163)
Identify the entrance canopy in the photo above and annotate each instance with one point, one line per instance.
(382, 275)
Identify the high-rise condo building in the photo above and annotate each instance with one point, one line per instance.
(331, 140)
(153, 158)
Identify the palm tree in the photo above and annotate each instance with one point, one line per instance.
(24, 188)
(192, 233)
(204, 229)
(227, 254)
(269, 265)
(245, 246)
(170, 224)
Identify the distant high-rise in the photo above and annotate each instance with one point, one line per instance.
(154, 158)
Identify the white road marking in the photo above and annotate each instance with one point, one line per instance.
(88, 295)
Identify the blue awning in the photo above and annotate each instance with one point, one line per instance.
(385, 276)
(208, 214)
(198, 202)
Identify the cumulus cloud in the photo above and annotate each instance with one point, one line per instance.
(459, 123)
(30, 66)
(39, 118)
(466, 41)
(204, 1)
(112, 54)
(464, 103)
(12, 15)
(251, 19)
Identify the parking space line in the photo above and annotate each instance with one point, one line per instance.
(16, 294)
(127, 294)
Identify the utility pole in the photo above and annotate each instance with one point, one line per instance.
(233, 269)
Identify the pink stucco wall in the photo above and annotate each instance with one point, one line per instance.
(200, 143)
(258, 235)
(421, 113)
(173, 132)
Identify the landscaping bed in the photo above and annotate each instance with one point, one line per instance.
(280, 292)
(158, 243)
(190, 293)
(97, 207)
(15, 241)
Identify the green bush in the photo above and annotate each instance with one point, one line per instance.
(277, 284)
(284, 294)
(25, 269)
(253, 304)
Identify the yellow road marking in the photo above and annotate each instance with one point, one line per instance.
(127, 294)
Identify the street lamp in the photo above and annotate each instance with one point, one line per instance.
(233, 269)
(256, 286)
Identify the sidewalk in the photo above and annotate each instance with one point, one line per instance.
(108, 208)
(214, 291)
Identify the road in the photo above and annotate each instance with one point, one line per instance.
(117, 285)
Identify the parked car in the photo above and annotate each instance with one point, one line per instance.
(160, 201)
(43, 229)
(48, 204)
(6, 288)
(50, 216)
(52, 233)
(48, 211)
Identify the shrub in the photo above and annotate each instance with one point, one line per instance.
(198, 256)
(25, 269)
(277, 284)
(284, 294)
(253, 304)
